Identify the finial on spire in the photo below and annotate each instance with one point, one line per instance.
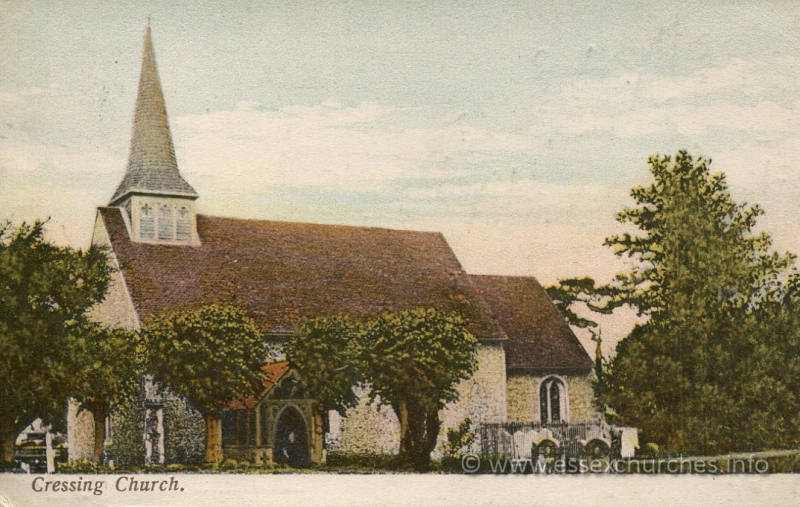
(148, 21)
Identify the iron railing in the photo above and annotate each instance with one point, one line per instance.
(524, 440)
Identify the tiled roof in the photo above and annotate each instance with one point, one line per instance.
(538, 335)
(273, 372)
(282, 272)
(151, 163)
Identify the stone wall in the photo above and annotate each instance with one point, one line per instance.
(80, 432)
(523, 396)
(366, 428)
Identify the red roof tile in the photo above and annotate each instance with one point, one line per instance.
(538, 335)
(282, 272)
(273, 371)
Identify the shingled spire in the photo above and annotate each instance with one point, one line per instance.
(152, 168)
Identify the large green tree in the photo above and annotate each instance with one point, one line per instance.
(212, 355)
(691, 376)
(106, 368)
(415, 360)
(45, 291)
(327, 352)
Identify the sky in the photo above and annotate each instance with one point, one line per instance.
(516, 128)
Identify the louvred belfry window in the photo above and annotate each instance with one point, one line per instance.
(147, 222)
(183, 228)
(165, 223)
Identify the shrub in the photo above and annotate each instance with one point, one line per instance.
(459, 438)
(80, 467)
(361, 461)
(184, 441)
(127, 447)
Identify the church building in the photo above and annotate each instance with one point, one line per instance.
(167, 256)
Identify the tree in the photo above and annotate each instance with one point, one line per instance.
(570, 291)
(45, 291)
(705, 282)
(106, 371)
(415, 360)
(212, 355)
(328, 355)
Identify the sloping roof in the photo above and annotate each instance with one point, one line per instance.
(152, 167)
(282, 272)
(273, 372)
(538, 335)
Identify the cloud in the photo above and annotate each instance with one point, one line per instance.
(739, 96)
(326, 145)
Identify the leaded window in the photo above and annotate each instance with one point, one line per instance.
(552, 399)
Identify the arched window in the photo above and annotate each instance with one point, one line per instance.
(147, 222)
(183, 225)
(165, 223)
(552, 401)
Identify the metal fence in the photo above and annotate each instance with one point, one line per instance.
(528, 440)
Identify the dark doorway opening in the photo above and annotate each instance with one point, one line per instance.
(291, 439)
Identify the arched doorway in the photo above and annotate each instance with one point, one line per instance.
(291, 438)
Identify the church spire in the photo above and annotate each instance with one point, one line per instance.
(152, 168)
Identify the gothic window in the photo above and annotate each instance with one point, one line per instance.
(183, 227)
(552, 401)
(165, 223)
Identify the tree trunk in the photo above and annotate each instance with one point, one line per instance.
(432, 427)
(213, 422)
(401, 410)
(99, 415)
(419, 431)
(9, 438)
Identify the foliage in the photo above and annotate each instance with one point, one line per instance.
(415, 360)
(183, 439)
(106, 371)
(350, 461)
(127, 445)
(569, 291)
(106, 365)
(328, 355)
(82, 466)
(212, 355)
(45, 291)
(711, 370)
(411, 360)
(459, 438)
(697, 251)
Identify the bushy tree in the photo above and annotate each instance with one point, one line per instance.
(212, 355)
(411, 361)
(415, 360)
(106, 366)
(328, 354)
(696, 374)
(45, 291)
